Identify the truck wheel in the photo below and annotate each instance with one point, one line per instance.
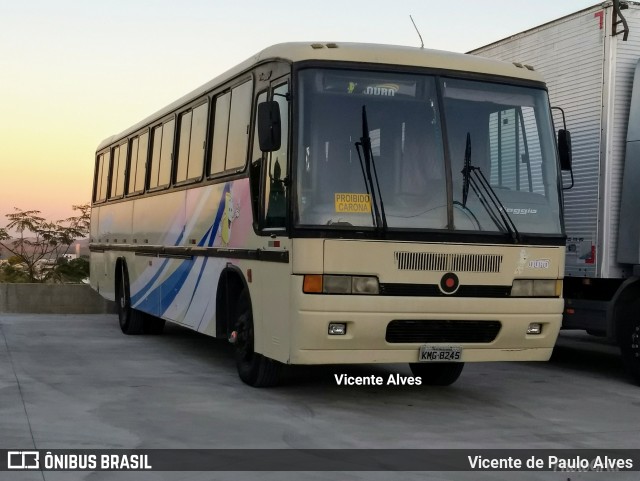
(253, 368)
(629, 342)
(595, 333)
(131, 320)
(437, 374)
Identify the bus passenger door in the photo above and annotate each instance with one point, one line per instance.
(272, 337)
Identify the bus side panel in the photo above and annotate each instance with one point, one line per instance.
(192, 289)
(159, 221)
(114, 227)
(178, 288)
(274, 324)
(228, 217)
(96, 265)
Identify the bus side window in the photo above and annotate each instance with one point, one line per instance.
(193, 128)
(239, 120)
(220, 130)
(97, 178)
(162, 155)
(197, 142)
(118, 171)
(133, 165)
(166, 153)
(138, 163)
(114, 171)
(183, 145)
(104, 182)
(275, 189)
(231, 129)
(156, 142)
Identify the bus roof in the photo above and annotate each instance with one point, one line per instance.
(293, 52)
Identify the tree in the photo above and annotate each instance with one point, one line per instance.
(74, 270)
(12, 273)
(39, 243)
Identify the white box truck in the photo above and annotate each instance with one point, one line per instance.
(589, 60)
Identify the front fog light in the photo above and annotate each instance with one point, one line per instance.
(534, 328)
(337, 329)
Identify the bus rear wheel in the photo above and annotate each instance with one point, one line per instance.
(253, 368)
(131, 320)
(437, 374)
(629, 342)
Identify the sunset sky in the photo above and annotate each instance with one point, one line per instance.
(75, 72)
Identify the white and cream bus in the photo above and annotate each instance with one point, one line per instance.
(341, 203)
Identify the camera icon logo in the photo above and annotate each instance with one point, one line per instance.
(23, 460)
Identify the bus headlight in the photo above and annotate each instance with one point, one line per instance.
(333, 284)
(365, 285)
(336, 285)
(536, 288)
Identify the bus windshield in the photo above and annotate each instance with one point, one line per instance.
(432, 139)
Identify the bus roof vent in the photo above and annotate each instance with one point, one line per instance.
(332, 45)
(519, 65)
(317, 46)
(529, 67)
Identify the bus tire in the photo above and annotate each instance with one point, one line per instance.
(131, 320)
(437, 374)
(628, 331)
(152, 324)
(254, 369)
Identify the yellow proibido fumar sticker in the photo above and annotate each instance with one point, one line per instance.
(353, 203)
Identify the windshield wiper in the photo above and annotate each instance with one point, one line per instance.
(378, 214)
(466, 171)
(473, 176)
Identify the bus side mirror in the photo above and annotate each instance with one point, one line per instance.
(564, 149)
(269, 134)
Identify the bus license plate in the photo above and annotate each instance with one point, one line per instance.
(440, 354)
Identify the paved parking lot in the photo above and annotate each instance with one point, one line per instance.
(77, 382)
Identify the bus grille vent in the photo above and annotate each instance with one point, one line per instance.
(435, 261)
(406, 331)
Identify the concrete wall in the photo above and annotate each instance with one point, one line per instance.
(53, 299)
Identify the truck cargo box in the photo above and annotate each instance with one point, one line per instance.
(588, 60)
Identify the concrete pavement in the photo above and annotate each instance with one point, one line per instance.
(75, 382)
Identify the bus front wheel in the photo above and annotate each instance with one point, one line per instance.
(131, 320)
(437, 374)
(253, 368)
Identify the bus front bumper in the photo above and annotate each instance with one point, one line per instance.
(367, 317)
